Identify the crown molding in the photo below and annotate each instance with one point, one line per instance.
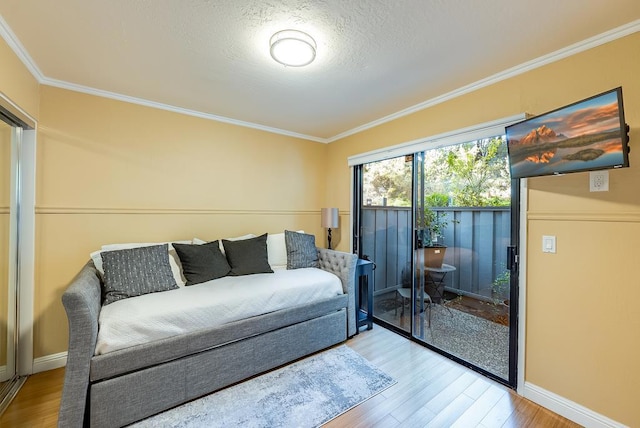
(568, 51)
(14, 43)
(470, 133)
(139, 101)
(19, 50)
(600, 39)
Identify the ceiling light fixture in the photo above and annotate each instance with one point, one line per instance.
(293, 48)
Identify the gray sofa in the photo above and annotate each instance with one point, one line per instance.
(124, 386)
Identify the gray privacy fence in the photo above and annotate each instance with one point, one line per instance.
(476, 240)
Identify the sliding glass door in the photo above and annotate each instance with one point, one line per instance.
(385, 215)
(439, 227)
(463, 209)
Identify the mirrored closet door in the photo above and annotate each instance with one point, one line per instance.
(10, 134)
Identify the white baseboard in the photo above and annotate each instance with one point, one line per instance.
(567, 408)
(49, 362)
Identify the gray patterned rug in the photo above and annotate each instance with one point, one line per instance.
(307, 393)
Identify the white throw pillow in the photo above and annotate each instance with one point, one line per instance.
(277, 250)
(174, 260)
(197, 241)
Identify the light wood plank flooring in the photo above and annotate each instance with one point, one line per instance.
(431, 392)
(37, 402)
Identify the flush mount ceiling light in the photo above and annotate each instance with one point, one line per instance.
(293, 48)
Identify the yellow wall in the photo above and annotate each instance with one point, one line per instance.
(16, 82)
(109, 171)
(582, 317)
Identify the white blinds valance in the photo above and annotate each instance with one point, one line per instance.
(471, 133)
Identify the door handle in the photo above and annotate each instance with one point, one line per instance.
(512, 257)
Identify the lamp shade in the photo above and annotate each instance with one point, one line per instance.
(329, 217)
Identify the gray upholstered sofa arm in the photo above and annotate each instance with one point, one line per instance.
(344, 266)
(82, 301)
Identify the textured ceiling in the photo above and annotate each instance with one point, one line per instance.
(374, 57)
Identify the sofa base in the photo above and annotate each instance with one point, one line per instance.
(137, 395)
(130, 384)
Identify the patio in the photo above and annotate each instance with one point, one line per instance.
(473, 324)
(471, 329)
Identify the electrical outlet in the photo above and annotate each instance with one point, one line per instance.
(599, 181)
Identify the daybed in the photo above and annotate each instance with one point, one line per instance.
(125, 385)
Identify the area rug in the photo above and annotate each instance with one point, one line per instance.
(307, 393)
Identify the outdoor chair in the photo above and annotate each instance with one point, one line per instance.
(405, 295)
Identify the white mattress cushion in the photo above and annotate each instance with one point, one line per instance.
(155, 316)
(198, 241)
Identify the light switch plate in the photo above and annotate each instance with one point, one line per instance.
(548, 244)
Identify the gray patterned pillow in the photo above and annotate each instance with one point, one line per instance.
(301, 250)
(136, 271)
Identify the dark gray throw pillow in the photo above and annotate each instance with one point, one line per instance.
(136, 271)
(301, 250)
(247, 256)
(201, 263)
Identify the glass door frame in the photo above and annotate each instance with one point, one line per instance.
(357, 235)
(470, 133)
(512, 265)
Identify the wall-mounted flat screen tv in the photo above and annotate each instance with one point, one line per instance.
(587, 135)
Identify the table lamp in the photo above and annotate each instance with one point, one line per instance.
(329, 218)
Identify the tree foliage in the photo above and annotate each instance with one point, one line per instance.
(390, 179)
(478, 173)
(474, 174)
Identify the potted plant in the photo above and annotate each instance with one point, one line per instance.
(430, 228)
(431, 234)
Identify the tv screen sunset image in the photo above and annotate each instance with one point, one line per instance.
(582, 136)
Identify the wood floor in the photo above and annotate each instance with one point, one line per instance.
(36, 405)
(431, 392)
